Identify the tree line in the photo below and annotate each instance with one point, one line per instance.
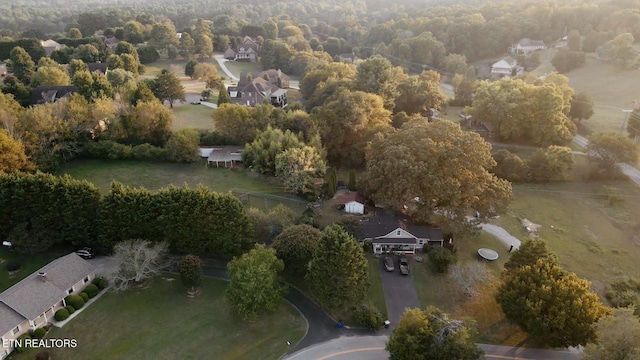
(42, 210)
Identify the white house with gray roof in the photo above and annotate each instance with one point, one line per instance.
(391, 232)
(32, 302)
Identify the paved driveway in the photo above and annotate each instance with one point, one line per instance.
(399, 291)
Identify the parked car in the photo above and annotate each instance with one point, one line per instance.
(86, 253)
(404, 266)
(388, 263)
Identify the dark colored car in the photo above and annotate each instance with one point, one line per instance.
(388, 263)
(404, 266)
(86, 253)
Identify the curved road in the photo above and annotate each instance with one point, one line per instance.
(630, 171)
(221, 60)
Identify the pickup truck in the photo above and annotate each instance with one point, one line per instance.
(404, 266)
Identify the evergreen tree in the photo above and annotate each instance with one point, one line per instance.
(223, 95)
(352, 180)
(22, 65)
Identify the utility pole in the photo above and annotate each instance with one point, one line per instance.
(626, 116)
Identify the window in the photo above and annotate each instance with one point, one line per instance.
(15, 330)
(398, 232)
(70, 290)
(86, 280)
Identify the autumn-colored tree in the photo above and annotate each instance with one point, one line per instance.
(12, 155)
(378, 76)
(607, 149)
(453, 162)
(617, 335)
(301, 170)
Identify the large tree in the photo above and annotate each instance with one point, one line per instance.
(552, 164)
(137, 261)
(430, 335)
(295, 246)
(320, 82)
(53, 75)
(552, 305)
(378, 76)
(350, 119)
(10, 111)
(618, 336)
(338, 272)
(148, 122)
(581, 107)
(528, 253)
(22, 65)
(168, 87)
(236, 123)
(207, 73)
(301, 170)
(261, 153)
(255, 285)
(12, 155)
(417, 94)
(434, 171)
(607, 149)
(620, 50)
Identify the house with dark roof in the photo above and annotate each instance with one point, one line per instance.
(351, 203)
(389, 232)
(32, 302)
(48, 94)
(259, 87)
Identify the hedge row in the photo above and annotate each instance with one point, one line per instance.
(72, 212)
(111, 150)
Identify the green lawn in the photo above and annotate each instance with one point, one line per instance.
(160, 322)
(611, 89)
(238, 67)
(376, 294)
(192, 116)
(28, 265)
(156, 175)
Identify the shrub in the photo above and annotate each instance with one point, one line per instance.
(39, 333)
(212, 138)
(75, 300)
(12, 266)
(96, 281)
(23, 337)
(107, 149)
(368, 317)
(91, 290)
(440, 259)
(61, 314)
(70, 309)
(624, 293)
(147, 152)
(85, 296)
(182, 146)
(103, 284)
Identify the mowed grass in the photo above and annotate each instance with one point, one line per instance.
(193, 116)
(592, 227)
(612, 90)
(160, 322)
(376, 293)
(156, 175)
(238, 67)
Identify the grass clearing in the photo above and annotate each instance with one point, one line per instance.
(193, 116)
(611, 89)
(125, 326)
(376, 293)
(156, 175)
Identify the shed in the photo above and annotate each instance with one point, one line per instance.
(352, 203)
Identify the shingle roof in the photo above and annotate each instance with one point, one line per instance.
(45, 94)
(34, 294)
(10, 318)
(352, 196)
(386, 221)
(101, 67)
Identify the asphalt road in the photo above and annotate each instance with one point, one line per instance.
(630, 171)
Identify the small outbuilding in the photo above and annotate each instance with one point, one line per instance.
(351, 203)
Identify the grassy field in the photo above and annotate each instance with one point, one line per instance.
(611, 89)
(238, 67)
(376, 294)
(28, 265)
(160, 322)
(156, 175)
(192, 116)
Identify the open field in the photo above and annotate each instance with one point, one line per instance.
(156, 175)
(611, 89)
(192, 116)
(125, 326)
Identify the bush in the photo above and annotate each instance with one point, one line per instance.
(61, 314)
(91, 290)
(75, 300)
(85, 296)
(39, 333)
(70, 309)
(182, 146)
(624, 293)
(148, 152)
(369, 317)
(212, 138)
(103, 284)
(440, 259)
(12, 266)
(23, 337)
(107, 149)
